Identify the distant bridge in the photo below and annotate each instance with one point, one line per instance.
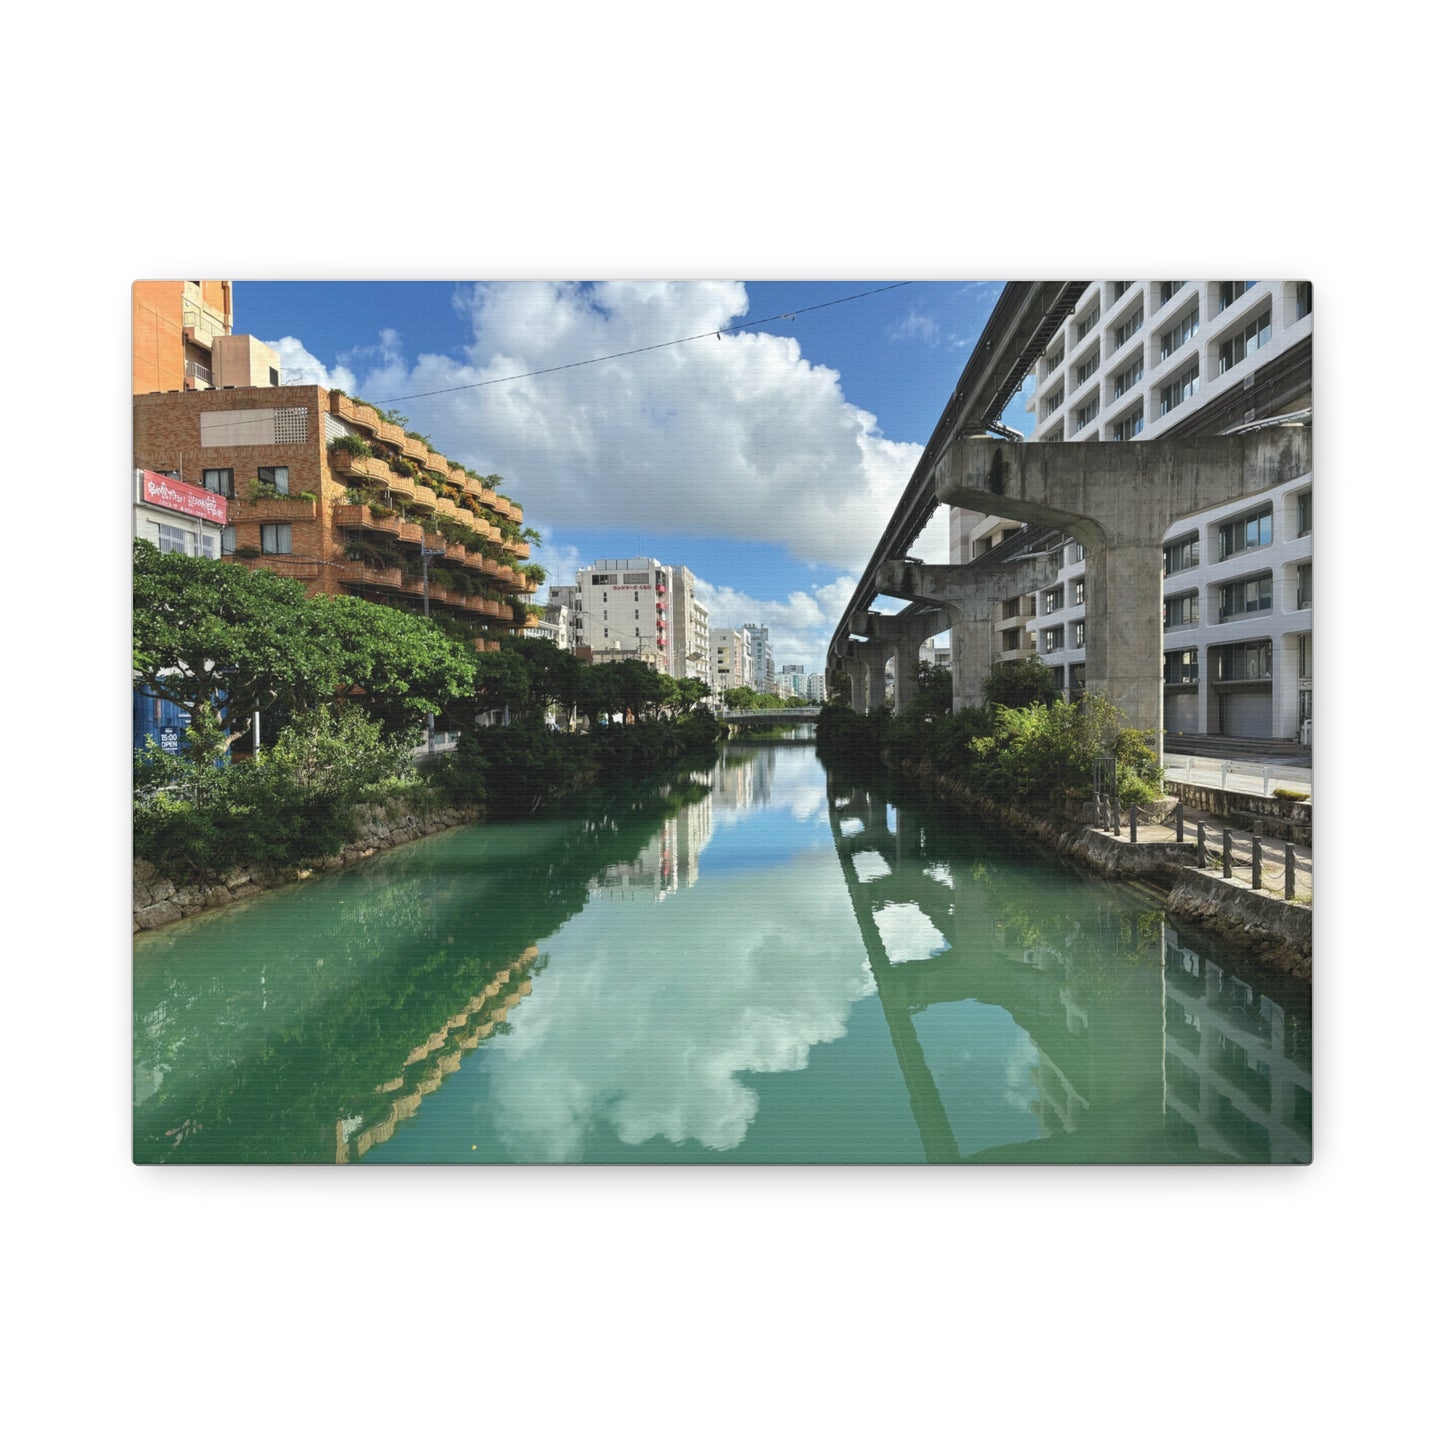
(769, 715)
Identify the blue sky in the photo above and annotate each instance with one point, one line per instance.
(765, 459)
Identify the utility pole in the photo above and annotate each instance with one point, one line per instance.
(426, 554)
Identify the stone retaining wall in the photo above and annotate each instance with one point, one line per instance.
(157, 900)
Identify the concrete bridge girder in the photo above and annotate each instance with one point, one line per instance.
(1118, 499)
(969, 594)
(903, 636)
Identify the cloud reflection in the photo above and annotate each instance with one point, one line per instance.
(645, 1025)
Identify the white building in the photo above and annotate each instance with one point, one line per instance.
(1146, 359)
(731, 662)
(637, 606)
(762, 651)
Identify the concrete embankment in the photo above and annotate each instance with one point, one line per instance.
(1277, 932)
(157, 900)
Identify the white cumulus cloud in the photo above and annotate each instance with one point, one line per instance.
(732, 435)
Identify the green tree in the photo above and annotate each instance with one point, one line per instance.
(403, 666)
(202, 628)
(1020, 683)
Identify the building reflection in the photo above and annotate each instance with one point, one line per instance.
(667, 862)
(1145, 1047)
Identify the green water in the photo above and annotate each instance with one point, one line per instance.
(758, 965)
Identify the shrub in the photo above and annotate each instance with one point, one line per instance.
(1290, 795)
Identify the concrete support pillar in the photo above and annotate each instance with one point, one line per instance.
(1118, 499)
(967, 595)
(904, 636)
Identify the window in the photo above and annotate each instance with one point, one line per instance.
(1054, 362)
(1088, 323)
(1304, 592)
(1117, 290)
(1078, 634)
(1181, 611)
(1244, 534)
(1244, 343)
(1052, 639)
(276, 537)
(1306, 654)
(1251, 594)
(1074, 552)
(1078, 597)
(1129, 377)
(1086, 369)
(1127, 328)
(1053, 599)
(601, 579)
(1305, 513)
(278, 477)
(1179, 390)
(1182, 666)
(1086, 413)
(228, 541)
(1174, 339)
(1180, 556)
(1054, 402)
(1168, 290)
(1304, 299)
(221, 480)
(1231, 291)
(1243, 662)
(1012, 639)
(1128, 427)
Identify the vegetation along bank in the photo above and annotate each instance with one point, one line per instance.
(1033, 761)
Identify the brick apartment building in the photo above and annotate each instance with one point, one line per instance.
(321, 489)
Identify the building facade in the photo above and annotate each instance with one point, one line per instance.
(642, 607)
(732, 662)
(1140, 360)
(762, 651)
(318, 487)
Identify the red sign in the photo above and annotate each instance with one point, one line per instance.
(177, 496)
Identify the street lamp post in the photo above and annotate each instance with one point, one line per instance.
(426, 554)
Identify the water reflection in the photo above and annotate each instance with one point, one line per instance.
(760, 963)
(1124, 1040)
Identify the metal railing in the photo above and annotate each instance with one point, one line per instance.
(1236, 776)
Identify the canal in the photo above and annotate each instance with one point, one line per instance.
(760, 963)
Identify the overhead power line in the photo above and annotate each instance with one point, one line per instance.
(656, 346)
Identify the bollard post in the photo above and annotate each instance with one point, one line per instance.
(1114, 809)
(1256, 865)
(1201, 858)
(1228, 861)
(1179, 822)
(1133, 822)
(1288, 871)
(1264, 782)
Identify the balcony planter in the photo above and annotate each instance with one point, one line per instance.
(359, 574)
(282, 509)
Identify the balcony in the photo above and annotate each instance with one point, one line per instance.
(347, 464)
(355, 412)
(281, 509)
(358, 574)
(417, 451)
(389, 432)
(436, 462)
(359, 514)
